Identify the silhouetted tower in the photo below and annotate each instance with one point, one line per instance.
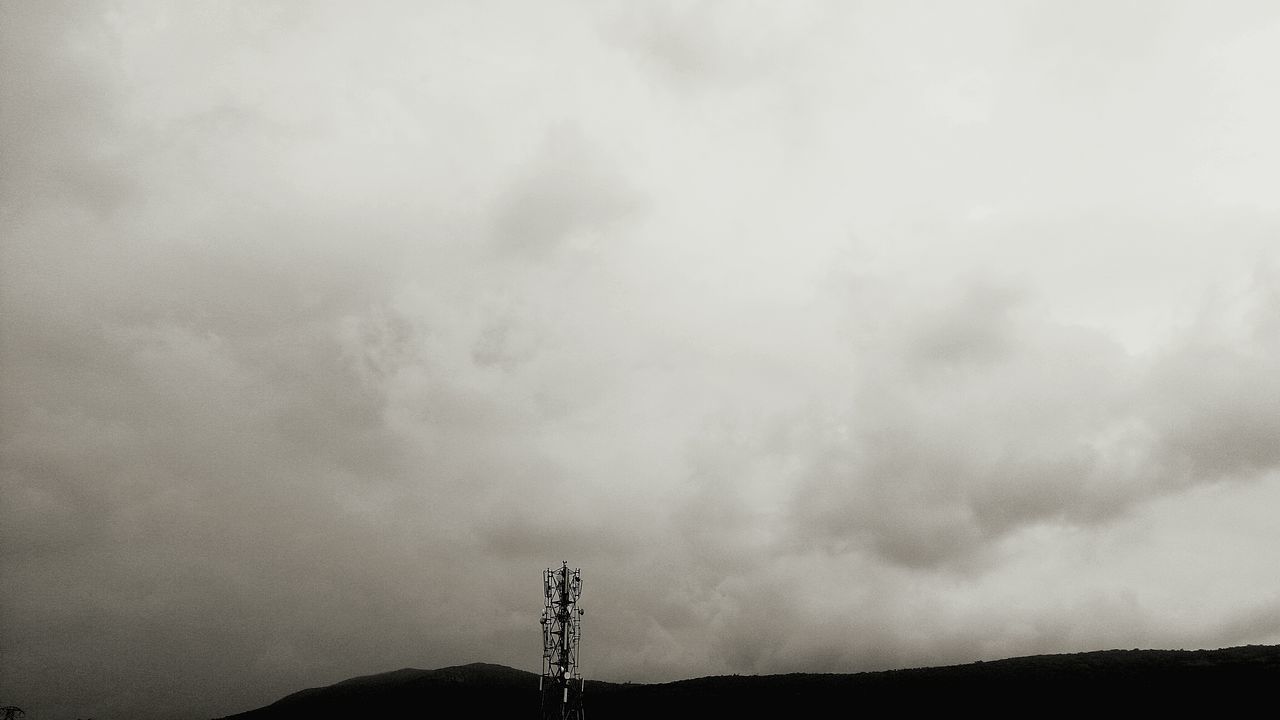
(562, 682)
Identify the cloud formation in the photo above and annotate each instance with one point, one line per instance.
(832, 340)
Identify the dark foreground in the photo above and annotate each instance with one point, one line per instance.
(1234, 681)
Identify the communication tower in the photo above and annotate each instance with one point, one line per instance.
(562, 682)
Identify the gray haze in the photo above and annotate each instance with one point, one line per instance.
(827, 337)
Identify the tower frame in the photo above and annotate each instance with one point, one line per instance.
(562, 683)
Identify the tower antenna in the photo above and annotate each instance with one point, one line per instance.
(562, 683)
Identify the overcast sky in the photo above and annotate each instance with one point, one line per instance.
(826, 337)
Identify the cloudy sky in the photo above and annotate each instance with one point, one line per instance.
(828, 337)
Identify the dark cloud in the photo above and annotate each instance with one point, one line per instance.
(1026, 421)
(568, 189)
(706, 45)
(57, 104)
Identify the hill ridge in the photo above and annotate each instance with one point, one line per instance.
(1141, 679)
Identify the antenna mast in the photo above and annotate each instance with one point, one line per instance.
(562, 682)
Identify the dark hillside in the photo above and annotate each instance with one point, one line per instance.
(488, 690)
(1211, 681)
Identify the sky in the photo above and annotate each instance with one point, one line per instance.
(831, 336)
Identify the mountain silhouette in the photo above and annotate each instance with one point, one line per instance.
(1226, 681)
